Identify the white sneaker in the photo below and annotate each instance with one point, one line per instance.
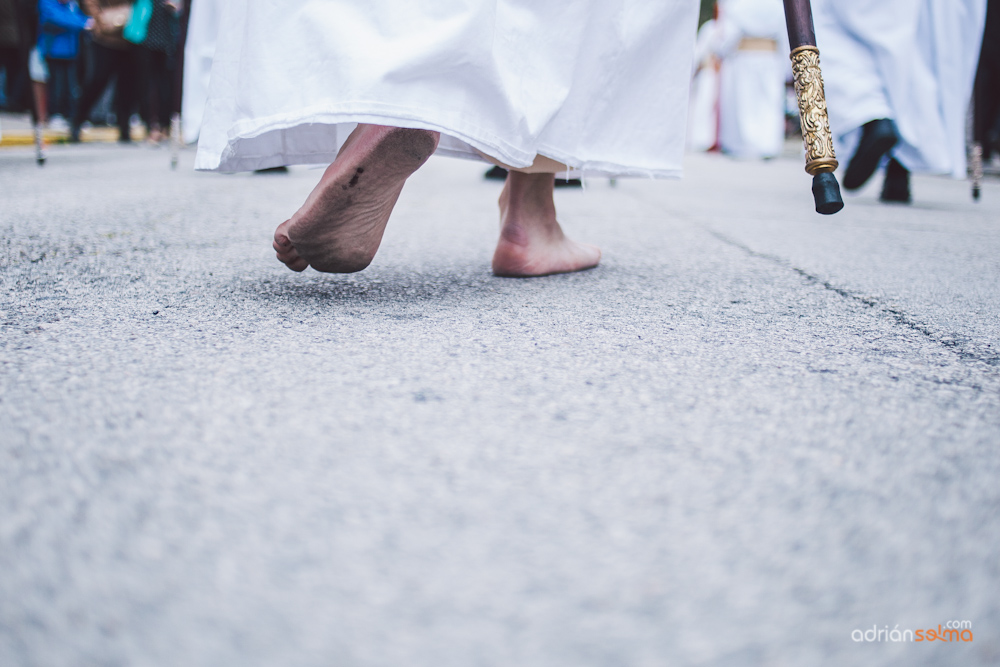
(58, 123)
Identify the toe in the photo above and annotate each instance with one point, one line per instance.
(298, 264)
(595, 253)
(285, 251)
(292, 260)
(281, 240)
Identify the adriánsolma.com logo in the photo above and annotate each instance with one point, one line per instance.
(952, 631)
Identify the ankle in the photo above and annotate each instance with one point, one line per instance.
(528, 198)
(522, 184)
(511, 231)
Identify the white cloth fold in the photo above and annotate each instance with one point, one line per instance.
(599, 85)
(199, 52)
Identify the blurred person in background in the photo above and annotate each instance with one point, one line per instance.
(11, 58)
(60, 23)
(753, 46)
(115, 59)
(18, 29)
(38, 74)
(158, 58)
(742, 56)
(899, 77)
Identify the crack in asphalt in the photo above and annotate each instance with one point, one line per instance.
(951, 342)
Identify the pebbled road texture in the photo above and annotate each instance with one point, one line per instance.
(750, 432)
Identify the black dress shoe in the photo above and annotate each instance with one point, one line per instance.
(877, 138)
(569, 183)
(896, 188)
(496, 174)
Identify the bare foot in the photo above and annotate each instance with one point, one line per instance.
(531, 241)
(340, 226)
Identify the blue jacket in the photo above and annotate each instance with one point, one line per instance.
(59, 26)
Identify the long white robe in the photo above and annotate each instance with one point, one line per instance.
(913, 61)
(199, 51)
(600, 85)
(752, 90)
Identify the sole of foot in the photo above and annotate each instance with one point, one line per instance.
(543, 258)
(340, 226)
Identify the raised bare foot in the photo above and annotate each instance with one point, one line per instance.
(531, 241)
(340, 226)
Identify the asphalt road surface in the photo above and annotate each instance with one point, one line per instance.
(752, 435)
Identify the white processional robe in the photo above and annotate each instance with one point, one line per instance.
(913, 61)
(199, 51)
(600, 85)
(753, 46)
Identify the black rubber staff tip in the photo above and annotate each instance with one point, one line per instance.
(826, 190)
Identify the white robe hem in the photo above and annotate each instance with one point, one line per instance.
(237, 156)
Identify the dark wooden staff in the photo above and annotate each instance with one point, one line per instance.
(821, 161)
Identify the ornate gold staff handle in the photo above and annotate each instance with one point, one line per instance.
(821, 161)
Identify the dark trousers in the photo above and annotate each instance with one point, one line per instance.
(122, 66)
(63, 89)
(156, 73)
(13, 62)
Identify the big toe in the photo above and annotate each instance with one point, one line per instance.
(592, 253)
(281, 240)
(584, 256)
